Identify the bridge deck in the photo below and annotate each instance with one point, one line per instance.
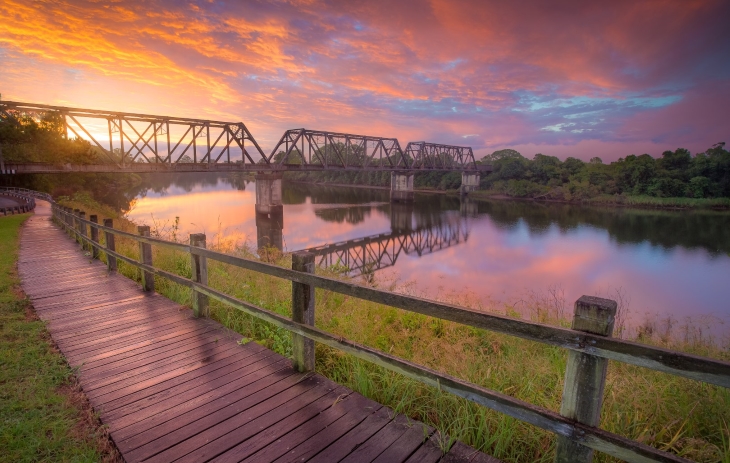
(174, 388)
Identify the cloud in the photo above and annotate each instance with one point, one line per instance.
(550, 75)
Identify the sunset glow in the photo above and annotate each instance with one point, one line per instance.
(563, 78)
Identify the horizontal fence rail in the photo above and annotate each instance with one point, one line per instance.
(25, 199)
(593, 346)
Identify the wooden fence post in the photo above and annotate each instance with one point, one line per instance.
(94, 236)
(302, 299)
(77, 230)
(83, 231)
(145, 256)
(199, 265)
(111, 261)
(585, 376)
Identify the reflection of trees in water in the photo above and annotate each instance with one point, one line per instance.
(689, 229)
(159, 183)
(348, 214)
(296, 193)
(707, 230)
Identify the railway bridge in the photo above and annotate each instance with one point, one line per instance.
(141, 143)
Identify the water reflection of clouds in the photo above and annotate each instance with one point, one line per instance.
(497, 263)
(231, 212)
(208, 209)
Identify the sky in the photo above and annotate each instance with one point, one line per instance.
(562, 78)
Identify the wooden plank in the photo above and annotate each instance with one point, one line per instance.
(194, 369)
(181, 389)
(429, 452)
(160, 316)
(263, 438)
(100, 352)
(195, 434)
(414, 437)
(356, 437)
(324, 438)
(283, 443)
(161, 352)
(123, 336)
(462, 453)
(380, 441)
(243, 426)
(153, 431)
(79, 351)
(148, 346)
(146, 369)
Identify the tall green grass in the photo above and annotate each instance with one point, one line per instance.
(668, 412)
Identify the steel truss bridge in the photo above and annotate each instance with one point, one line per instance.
(147, 143)
(363, 256)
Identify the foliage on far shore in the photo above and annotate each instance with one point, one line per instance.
(676, 179)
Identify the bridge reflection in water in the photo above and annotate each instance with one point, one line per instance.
(411, 233)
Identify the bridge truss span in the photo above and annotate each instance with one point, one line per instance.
(433, 156)
(130, 138)
(332, 150)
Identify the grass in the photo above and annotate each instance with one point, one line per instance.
(638, 201)
(43, 415)
(654, 202)
(671, 413)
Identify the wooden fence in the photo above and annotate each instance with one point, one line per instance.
(589, 343)
(26, 198)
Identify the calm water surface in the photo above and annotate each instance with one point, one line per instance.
(666, 265)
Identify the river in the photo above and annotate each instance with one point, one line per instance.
(669, 269)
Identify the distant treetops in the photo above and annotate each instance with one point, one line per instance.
(675, 174)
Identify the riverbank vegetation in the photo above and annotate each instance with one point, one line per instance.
(671, 413)
(678, 179)
(43, 414)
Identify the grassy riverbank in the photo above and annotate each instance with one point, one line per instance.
(637, 201)
(668, 412)
(632, 201)
(43, 415)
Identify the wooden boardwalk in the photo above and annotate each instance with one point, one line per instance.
(174, 388)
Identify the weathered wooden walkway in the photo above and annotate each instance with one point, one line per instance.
(174, 388)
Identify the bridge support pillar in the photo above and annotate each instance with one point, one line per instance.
(401, 187)
(270, 230)
(469, 182)
(268, 194)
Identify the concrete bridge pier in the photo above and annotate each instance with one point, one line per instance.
(269, 211)
(268, 194)
(469, 182)
(270, 231)
(401, 187)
